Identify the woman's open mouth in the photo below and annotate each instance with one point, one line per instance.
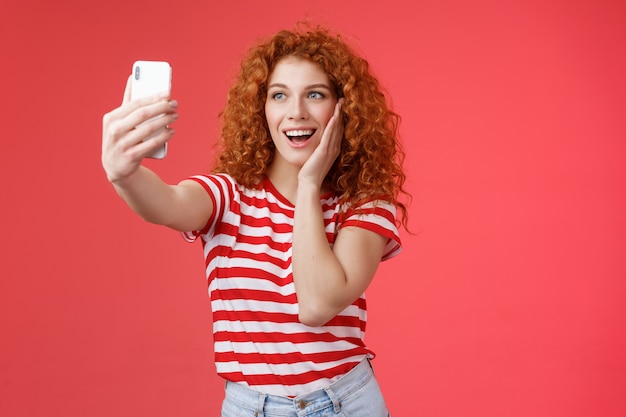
(299, 136)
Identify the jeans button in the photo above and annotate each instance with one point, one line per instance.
(302, 404)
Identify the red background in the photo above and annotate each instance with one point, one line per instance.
(507, 301)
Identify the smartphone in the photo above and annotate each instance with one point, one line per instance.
(150, 78)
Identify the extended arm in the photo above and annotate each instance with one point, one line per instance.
(183, 207)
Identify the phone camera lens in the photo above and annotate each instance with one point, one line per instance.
(137, 72)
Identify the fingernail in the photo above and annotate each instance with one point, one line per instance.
(173, 104)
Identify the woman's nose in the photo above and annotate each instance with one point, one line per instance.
(298, 110)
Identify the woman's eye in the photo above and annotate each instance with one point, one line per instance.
(278, 96)
(316, 95)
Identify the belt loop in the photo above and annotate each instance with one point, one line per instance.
(259, 412)
(334, 399)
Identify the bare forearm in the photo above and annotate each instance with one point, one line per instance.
(147, 195)
(319, 278)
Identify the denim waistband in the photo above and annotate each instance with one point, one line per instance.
(304, 404)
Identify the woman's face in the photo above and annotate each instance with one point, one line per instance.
(300, 102)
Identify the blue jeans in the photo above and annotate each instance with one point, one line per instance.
(355, 394)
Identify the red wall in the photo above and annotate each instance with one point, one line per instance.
(507, 301)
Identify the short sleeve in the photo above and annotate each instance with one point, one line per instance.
(380, 217)
(219, 187)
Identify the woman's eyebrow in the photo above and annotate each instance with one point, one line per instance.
(320, 85)
(308, 87)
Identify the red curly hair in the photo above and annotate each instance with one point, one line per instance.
(369, 165)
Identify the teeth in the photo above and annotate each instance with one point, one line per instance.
(299, 132)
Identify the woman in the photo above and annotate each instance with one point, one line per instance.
(294, 219)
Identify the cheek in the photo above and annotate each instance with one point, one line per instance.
(328, 110)
(327, 116)
(272, 125)
(271, 118)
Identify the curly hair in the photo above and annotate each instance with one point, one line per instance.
(369, 165)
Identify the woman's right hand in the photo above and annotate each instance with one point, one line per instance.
(124, 144)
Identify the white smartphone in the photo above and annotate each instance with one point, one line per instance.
(150, 78)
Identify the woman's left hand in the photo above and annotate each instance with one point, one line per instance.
(321, 160)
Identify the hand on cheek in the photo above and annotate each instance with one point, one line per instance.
(317, 166)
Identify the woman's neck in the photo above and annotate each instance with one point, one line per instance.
(284, 178)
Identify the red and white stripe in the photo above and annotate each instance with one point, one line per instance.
(247, 249)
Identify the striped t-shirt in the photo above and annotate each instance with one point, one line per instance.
(247, 249)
